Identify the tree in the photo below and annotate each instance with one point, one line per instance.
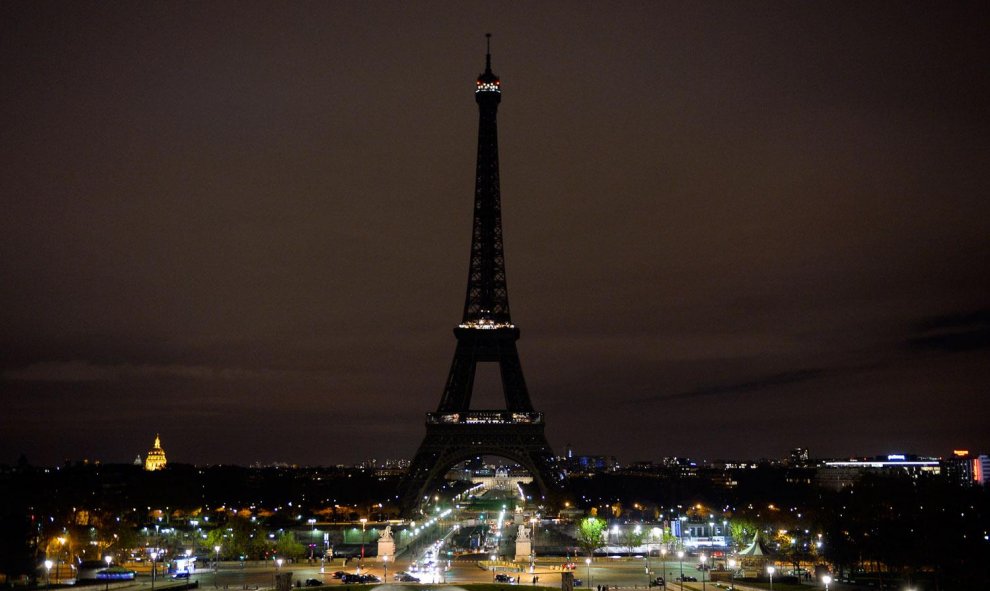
(741, 531)
(217, 537)
(16, 553)
(590, 534)
(287, 546)
(632, 538)
(792, 551)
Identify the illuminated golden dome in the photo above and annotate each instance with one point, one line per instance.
(156, 456)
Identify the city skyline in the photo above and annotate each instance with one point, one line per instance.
(729, 230)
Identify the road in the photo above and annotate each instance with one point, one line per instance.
(611, 572)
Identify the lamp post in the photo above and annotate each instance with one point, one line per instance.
(278, 568)
(109, 559)
(827, 580)
(663, 555)
(48, 573)
(58, 559)
(492, 560)
(385, 565)
(732, 572)
(154, 557)
(680, 559)
(216, 563)
(770, 571)
(587, 561)
(364, 521)
(188, 563)
(535, 522)
(703, 558)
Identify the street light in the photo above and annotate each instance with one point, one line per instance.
(154, 557)
(680, 558)
(535, 522)
(587, 561)
(492, 560)
(703, 558)
(637, 530)
(216, 564)
(364, 520)
(58, 559)
(109, 559)
(732, 571)
(771, 570)
(827, 580)
(385, 563)
(48, 572)
(663, 573)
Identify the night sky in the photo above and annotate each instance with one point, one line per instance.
(731, 228)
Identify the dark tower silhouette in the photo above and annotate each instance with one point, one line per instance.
(486, 334)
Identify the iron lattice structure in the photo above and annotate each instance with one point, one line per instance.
(455, 432)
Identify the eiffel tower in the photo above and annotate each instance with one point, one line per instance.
(454, 432)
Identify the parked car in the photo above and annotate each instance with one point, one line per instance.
(338, 574)
(406, 578)
(578, 582)
(504, 578)
(314, 583)
(182, 574)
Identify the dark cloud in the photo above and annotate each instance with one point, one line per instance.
(749, 386)
(970, 340)
(958, 320)
(953, 333)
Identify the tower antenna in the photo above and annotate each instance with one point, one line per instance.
(488, 51)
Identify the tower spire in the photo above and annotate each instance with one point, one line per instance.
(488, 52)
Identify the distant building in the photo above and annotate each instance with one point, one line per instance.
(593, 464)
(799, 456)
(981, 469)
(966, 469)
(838, 475)
(156, 457)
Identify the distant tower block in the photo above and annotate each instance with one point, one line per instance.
(456, 432)
(156, 457)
